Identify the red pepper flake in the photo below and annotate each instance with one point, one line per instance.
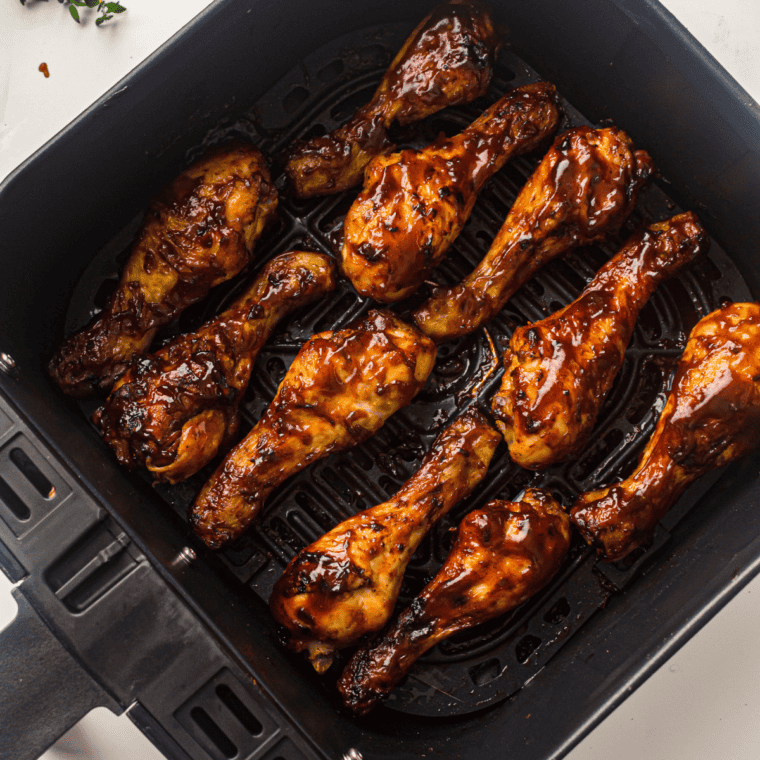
(44, 69)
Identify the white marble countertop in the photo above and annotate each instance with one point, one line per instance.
(704, 703)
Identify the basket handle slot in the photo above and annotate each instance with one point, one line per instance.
(32, 473)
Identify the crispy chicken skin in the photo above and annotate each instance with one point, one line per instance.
(339, 391)
(198, 232)
(446, 61)
(345, 584)
(711, 418)
(583, 189)
(558, 371)
(503, 554)
(415, 203)
(173, 410)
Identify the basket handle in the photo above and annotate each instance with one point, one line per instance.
(44, 691)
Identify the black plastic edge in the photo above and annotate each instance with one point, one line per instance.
(10, 566)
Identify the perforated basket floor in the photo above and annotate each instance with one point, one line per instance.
(490, 662)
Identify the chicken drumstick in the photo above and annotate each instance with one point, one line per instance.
(198, 232)
(340, 390)
(346, 583)
(173, 410)
(415, 203)
(503, 554)
(584, 188)
(446, 60)
(710, 419)
(558, 371)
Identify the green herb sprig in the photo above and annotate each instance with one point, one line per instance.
(105, 9)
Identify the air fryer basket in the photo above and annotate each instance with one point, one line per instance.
(476, 678)
(491, 662)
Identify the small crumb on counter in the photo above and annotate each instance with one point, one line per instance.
(44, 69)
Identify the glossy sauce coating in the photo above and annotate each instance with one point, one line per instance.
(503, 554)
(559, 371)
(583, 189)
(340, 390)
(345, 584)
(197, 233)
(415, 203)
(173, 410)
(711, 418)
(446, 60)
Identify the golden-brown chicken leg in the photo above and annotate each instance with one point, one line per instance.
(447, 60)
(346, 583)
(583, 189)
(339, 391)
(503, 554)
(558, 371)
(415, 203)
(711, 418)
(198, 232)
(173, 410)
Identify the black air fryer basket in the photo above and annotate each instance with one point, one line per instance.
(120, 605)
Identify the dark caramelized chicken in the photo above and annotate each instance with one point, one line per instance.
(558, 371)
(503, 554)
(447, 60)
(340, 389)
(711, 418)
(197, 233)
(173, 410)
(583, 189)
(346, 583)
(415, 203)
